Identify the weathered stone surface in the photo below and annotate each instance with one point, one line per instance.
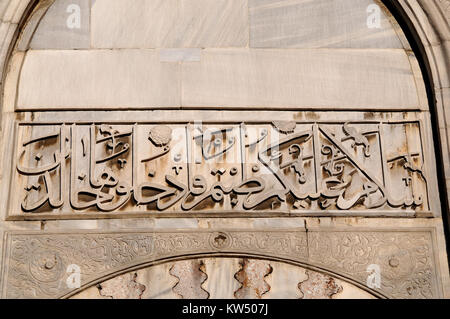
(180, 55)
(391, 255)
(7, 32)
(349, 291)
(320, 23)
(283, 281)
(445, 4)
(158, 282)
(191, 276)
(89, 293)
(117, 24)
(14, 10)
(122, 287)
(98, 79)
(252, 278)
(28, 31)
(169, 23)
(380, 79)
(38, 262)
(356, 69)
(221, 282)
(10, 84)
(319, 286)
(66, 25)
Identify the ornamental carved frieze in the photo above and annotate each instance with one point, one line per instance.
(38, 265)
(282, 168)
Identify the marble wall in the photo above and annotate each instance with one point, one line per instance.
(338, 102)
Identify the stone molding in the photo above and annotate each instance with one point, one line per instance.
(37, 262)
(431, 21)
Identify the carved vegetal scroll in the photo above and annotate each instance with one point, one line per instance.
(36, 263)
(70, 170)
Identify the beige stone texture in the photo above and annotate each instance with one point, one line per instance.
(98, 79)
(190, 275)
(350, 292)
(325, 78)
(66, 25)
(158, 282)
(9, 97)
(319, 24)
(122, 287)
(221, 282)
(284, 280)
(7, 31)
(29, 29)
(225, 62)
(222, 78)
(89, 293)
(169, 23)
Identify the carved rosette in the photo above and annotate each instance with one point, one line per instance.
(37, 263)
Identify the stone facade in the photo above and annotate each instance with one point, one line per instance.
(223, 149)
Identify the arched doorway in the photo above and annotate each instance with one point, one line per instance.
(243, 116)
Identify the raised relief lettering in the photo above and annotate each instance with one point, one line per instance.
(279, 167)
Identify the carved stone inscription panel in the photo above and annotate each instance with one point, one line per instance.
(92, 170)
(36, 264)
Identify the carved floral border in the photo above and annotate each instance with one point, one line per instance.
(35, 263)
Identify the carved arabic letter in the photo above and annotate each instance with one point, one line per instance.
(358, 139)
(297, 164)
(163, 192)
(44, 173)
(57, 156)
(164, 151)
(215, 142)
(123, 191)
(255, 195)
(333, 165)
(262, 135)
(116, 148)
(266, 159)
(98, 193)
(358, 166)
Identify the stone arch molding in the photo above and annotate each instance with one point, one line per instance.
(37, 263)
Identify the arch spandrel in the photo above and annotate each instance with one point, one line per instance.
(327, 119)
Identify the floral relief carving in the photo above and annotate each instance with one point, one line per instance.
(405, 259)
(37, 263)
